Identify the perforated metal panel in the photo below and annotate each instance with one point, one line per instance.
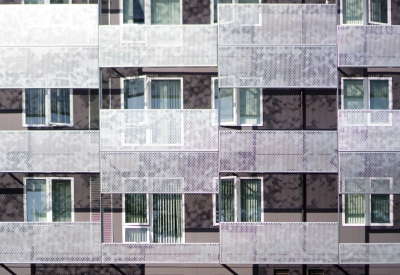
(159, 172)
(157, 45)
(159, 130)
(369, 253)
(48, 25)
(357, 169)
(279, 243)
(145, 253)
(78, 242)
(368, 46)
(369, 130)
(278, 151)
(49, 151)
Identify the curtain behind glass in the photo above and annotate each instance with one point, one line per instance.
(136, 235)
(380, 208)
(60, 106)
(353, 94)
(165, 12)
(166, 94)
(379, 94)
(133, 11)
(135, 208)
(379, 11)
(352, 11)
(355, 209)
(36, 207)
(250, 200)
(61, 200)
(134, 93)
(225, 202)
(226, 99)
(249, 106)
(167, 218)
(35, 106)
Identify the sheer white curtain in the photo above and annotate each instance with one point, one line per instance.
(36, 203)
(166, 94)
(249, 106)
(133, 11)
(60, 106)
(35, 106)
(165, 12)
(167, 218)
(352, 11)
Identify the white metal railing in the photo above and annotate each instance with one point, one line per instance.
(369, 253)
(198, 253)
(49, 151)
(368, 46)
(158, 45)
(279, 243)
(26, 242)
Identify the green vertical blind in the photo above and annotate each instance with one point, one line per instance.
(380, 208)
(165, 12)
(353, 93)
(136, 235)
(250, 200)
(225, 202)
(61, 200)
(167, 218)
(249, 106)
(355, 209)
(60, 106)
(136, 208)
(36, 204)
(352, 11)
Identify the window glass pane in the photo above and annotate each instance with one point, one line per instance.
(250, 200)
(35, 107)
(167, 218)
(61, 200)
(353, 94)
(60, 106)
(36, 200)
(134, 93)
(59, 1)
(34, 2)
(216, 7)
(133, 11)
(165, 12)
(225, 202)
(379, 94)
(380, 208)
(226, 95)
(249, 106)
(379, 11)
(136, 235)
(166, 94)
(135, 208)
(352, 11)
(355, 209)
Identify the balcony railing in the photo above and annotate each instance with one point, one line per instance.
(369, 253)
(158, 46)
(49, 151)
(23, 242)
(278, 151)
(279, 243)
(368, 46)
(277, 45)
(173, 253)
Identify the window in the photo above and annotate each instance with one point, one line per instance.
(46, 2)
(369, 209)
(239, 200)
(162, 12)
(47, 107)
(156, 218)
(49, 199)
(214, 7)
(363, 12)
(238, 106)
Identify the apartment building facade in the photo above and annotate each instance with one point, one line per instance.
(199, 137)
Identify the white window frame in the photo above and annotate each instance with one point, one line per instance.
(47, 103)
(147, 13)
(236, 106)
(367, 14)
(149, 225)
(367, 200)
(237, 182)
(49, 203)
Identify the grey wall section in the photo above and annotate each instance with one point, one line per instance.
(322, 192)
(196, 11)
(105, 9)
(321, 109)
(199, 212)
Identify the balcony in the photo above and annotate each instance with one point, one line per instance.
(368, 46)
(278, 151)
(279, 243)
(369, 253)
(23, 242)
(277, 45)
(171, 253)
(49, 151)
(158, 45)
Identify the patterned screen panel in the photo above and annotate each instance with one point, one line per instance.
(279, 243)
(159, 172)
(159, 130)
(50, 242)
(369, 253)
(49, 151)
(369, 172)
(158, 46)
(368, 46)
(174, 253)
(278, 151)
(369, 130)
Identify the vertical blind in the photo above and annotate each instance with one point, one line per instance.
(166, 94)
(60, 106)
(61, 200)
(355, 208)
(133, 11)
(167, 218)
(353, 94)
(36, 205)
(134, 93)
(225, 101)
(135, 208)
(35, 106)
(165, 12)
(250, 200)
(225, 202)
(249, 106)
(352, 11)
(379, 11)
